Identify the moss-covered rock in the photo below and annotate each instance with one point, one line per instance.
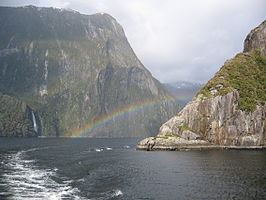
(246, 73)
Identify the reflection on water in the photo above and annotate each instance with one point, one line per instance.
(46, 168)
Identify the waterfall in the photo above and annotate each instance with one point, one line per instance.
(34, 122)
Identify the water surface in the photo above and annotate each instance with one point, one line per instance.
(102, 169)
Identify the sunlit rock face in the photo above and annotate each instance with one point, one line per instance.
(231, 108)
(74, 69)
(219, 121)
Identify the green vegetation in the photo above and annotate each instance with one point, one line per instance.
(168, 135)
(161, 136)
(173, 135)
(246, 73)
(185, 127)
(15, 117)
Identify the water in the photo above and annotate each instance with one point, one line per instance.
(102, 169)
(34, 122)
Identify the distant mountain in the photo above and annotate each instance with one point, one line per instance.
(229, 110)
(183, 91)
(77, 74)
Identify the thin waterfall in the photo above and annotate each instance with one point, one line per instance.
(34, 122)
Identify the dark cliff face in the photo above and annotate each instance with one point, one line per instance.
(231, 108)
(72, 69)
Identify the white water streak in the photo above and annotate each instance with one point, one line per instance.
(34, 122)
(25, 181)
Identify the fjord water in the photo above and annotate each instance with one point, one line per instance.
(101, 169)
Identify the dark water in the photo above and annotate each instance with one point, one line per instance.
(112, 169)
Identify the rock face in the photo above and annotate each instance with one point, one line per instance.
(218, 121)
(73, 69)
(256, 39)
(230, 110)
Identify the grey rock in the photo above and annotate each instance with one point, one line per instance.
(189, 135)
(220, 122)
(256, 39)
(170, 143)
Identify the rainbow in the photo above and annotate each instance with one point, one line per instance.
(84, 130)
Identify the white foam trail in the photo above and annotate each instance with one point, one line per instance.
(109, 148)
(98, 150)
(117, 193)
(25, 181)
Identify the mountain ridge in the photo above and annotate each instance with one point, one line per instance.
(72, 69)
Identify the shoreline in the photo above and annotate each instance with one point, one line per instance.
(199, 147)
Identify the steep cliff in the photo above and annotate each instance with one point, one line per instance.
(72, 69)
(231, 108)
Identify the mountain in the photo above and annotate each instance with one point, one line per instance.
(183, 91)
(230, 109)
(77, 74)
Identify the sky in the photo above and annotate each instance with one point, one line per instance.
(177, 40)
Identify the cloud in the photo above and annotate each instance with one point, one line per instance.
(177, 40)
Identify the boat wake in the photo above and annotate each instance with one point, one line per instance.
(117, 193)
(25, 181)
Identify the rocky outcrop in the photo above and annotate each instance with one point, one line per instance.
(256, 39)
(218, 121)
(172, 143)
(230, 110)
(75, 69)
(214, 121)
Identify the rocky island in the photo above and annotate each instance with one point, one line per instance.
(229, 111)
